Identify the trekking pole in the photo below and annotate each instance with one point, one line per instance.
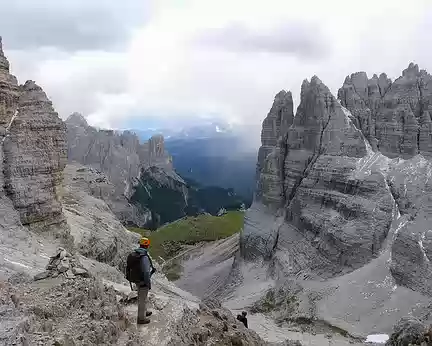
(130, 283)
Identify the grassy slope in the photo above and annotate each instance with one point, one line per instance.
(190, 231)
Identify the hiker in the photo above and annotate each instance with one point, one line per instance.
(139, 269)
(243, 318)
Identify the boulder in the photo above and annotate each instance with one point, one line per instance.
(69, 274)
(42, 275)
(63, 266)
(80, 271)
(408, 331)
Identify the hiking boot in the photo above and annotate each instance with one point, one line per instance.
(143, 321)
(149, 313)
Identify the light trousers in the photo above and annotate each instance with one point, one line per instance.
(142, 302)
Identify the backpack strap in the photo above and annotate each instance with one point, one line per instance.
(153, 269)
(151, 262)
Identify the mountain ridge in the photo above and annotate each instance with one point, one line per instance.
(336, 193)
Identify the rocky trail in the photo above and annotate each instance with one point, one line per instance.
(267, 328)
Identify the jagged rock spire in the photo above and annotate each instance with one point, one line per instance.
(390, 114)
(274, 127)
(8, 92)
(77, 119)
(4, 63)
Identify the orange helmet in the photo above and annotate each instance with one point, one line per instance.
(144, 241)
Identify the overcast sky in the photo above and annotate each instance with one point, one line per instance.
(120, 62)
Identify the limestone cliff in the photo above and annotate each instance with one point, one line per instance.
(311, 175)
(34, 156)
(33, 149)
(394, 116)
(274, 129)
(122, 157)
(342, 206)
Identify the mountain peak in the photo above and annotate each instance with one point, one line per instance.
(4, 63)
(77, 119)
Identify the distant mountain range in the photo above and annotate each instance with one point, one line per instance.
(201, 130)
(213, 154)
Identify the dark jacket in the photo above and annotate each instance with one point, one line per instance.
(147, 268)
(243, 319)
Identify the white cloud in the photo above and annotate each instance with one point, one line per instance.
(247, 52)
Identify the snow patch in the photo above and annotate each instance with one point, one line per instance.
(17, 263)
(9, 125)
(420, 242)
(377, 338)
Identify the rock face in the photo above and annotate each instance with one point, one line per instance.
(97, 233)
(409, 331)
(153, 153)
(34, 156)
(121, 157)
(33, 149)
(412, 247)
(274, 130)
(333, 210)
(8, 92)
(342, 210)
(394, 116)
(164, 192)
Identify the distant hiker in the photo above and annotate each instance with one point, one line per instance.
(139, 269)
(242, 318)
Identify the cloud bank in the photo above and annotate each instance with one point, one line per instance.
(120, 63)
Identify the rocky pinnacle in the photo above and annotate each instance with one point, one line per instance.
(313, 165)
(393, 116)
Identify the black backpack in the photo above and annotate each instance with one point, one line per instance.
(133, 267)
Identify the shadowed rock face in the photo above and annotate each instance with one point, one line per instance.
(394, 116)
(274, 128)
